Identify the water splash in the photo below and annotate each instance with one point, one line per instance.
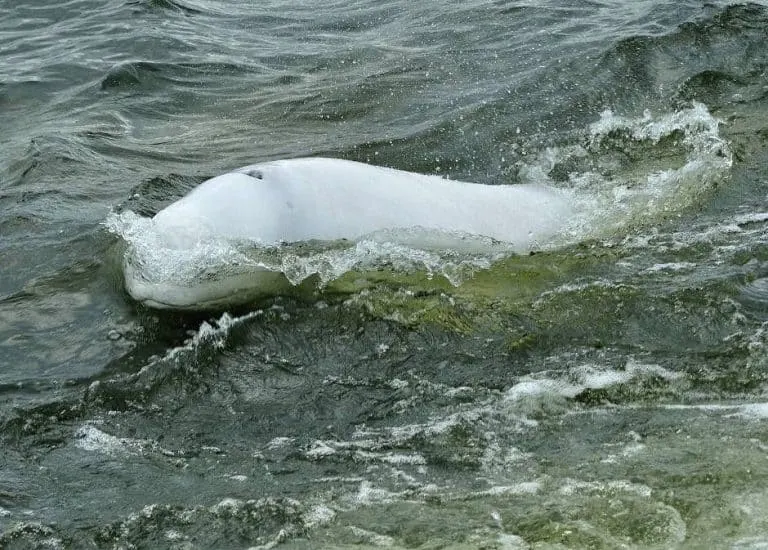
(633, 172)
(624, 174)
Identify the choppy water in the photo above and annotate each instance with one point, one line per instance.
(606, 391)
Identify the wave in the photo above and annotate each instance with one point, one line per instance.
(466, 443)
(699, 60)
(171, 5)
(150, 75)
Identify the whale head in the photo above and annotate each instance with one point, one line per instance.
(233, 206)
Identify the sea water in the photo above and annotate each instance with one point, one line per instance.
(604, 391)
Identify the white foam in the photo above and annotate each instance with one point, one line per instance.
(368, 494)
(702, 128)
(575, 287)
(217, 272)
(753, 217)
(573, 486)
(320, 449)
(670, 267)
(578, 379)
(397, 459)
(522, 488)
(748, 411)
(319, 515)
(214, 334)
(89, 438)
(755, 411)
(173, 535)
(238, 477)
(751, 543)
(536, 388)
(279, 442)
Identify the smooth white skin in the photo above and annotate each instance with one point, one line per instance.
(329, 199)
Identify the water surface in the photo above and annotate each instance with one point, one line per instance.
(608, 391)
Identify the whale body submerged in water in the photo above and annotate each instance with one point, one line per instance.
(294, 200)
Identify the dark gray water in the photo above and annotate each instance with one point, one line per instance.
(609, 392)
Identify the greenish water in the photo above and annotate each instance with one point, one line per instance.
(606, 391)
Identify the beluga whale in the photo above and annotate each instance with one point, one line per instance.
(275, 203)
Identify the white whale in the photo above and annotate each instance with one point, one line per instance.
(329, 199)
(325, 199)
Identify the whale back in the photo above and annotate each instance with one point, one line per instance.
(330, 199)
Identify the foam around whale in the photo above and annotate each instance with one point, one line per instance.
(319, 199)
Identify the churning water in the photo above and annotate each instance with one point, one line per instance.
(609, 389)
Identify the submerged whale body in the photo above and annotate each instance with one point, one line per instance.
(322, 199)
